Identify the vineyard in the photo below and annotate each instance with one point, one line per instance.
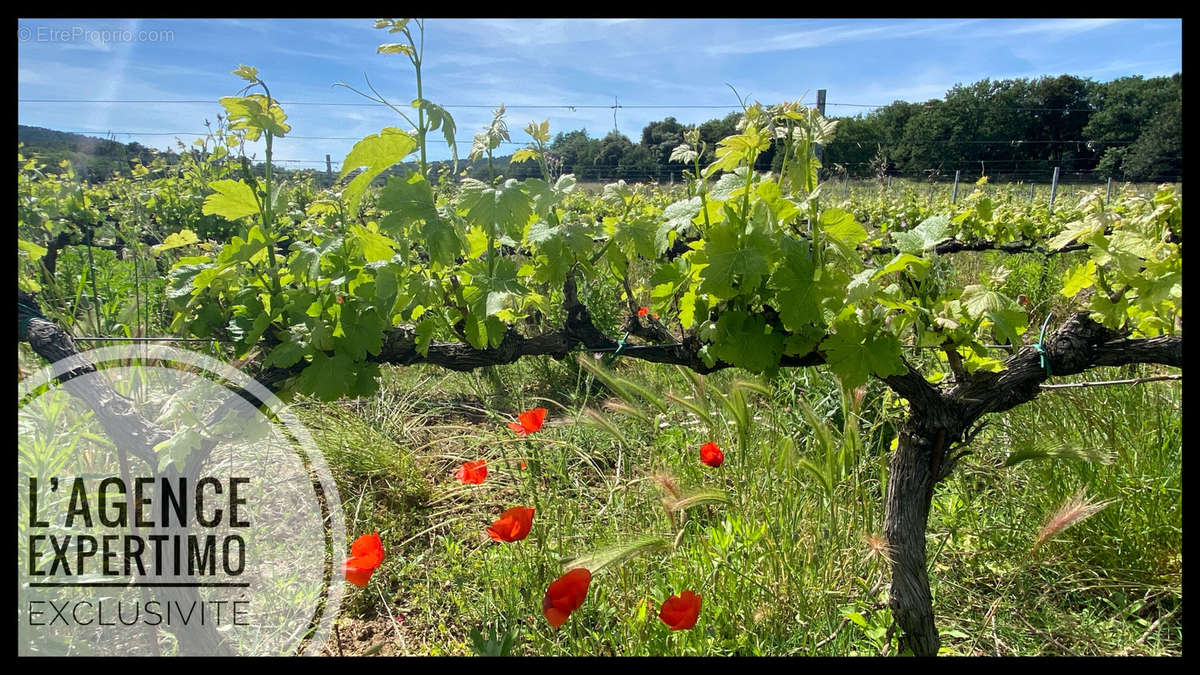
(868, 420)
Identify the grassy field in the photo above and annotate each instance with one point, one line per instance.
(783, 541)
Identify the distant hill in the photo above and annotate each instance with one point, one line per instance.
(97, 159)
(94, 159)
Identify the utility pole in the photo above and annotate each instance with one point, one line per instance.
(329, 169)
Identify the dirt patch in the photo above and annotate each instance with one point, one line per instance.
(364, 637)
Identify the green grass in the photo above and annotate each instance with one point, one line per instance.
(787, 559)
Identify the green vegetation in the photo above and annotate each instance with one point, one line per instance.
(787, 563)
(1129, 129)
(917, 454)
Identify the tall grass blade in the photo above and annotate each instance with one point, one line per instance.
(632, 411)
(1058, 449)
(624, 388)
(598, 421)
(700, 498)
(1076, 509)
(694, 408)
(611, 556)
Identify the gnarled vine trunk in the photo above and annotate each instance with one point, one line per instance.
(129, 430)
(940, 423)
(911, 479)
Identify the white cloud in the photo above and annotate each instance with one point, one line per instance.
(832, 35)
(1053, 28)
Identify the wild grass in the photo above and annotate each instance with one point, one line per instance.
(783, 541)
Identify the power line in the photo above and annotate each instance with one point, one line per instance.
(207, 133)
(1011, 141)
(377, 105)
(518, 106)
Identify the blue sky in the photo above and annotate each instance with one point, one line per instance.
(471, 66)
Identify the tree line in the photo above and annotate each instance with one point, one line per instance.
(1127, 129)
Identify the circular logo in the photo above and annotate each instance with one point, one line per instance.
(169, 505)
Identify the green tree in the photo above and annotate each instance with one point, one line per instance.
(577, 153)
(612, 150)
(1064, 113)
(639, 166)
(659, 139)
(1124, 108)
(1158, 152)
(856, 142)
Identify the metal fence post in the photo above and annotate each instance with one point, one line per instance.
(1053, 188)
(954, 197)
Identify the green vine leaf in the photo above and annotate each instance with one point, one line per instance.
(232, 199)
(377, 152)
(746, 341)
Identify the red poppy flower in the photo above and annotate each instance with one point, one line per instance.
(680, 611)
(643, 311)
(514, 525)
(366, 555)
(528, 421)
(472, 472)
(654, 316)
(339, 299)
(711, 455)
(565, 595)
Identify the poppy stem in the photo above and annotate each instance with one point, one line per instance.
(533, 487)
(523, 562)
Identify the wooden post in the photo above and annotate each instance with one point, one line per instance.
(954, 197)
(329, 169)
(1108, 197)
(1031, 193)
(1053, 188)
(846, 185)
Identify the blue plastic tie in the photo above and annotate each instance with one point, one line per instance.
(25, 315)
(1042, 350)
(620, 345)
